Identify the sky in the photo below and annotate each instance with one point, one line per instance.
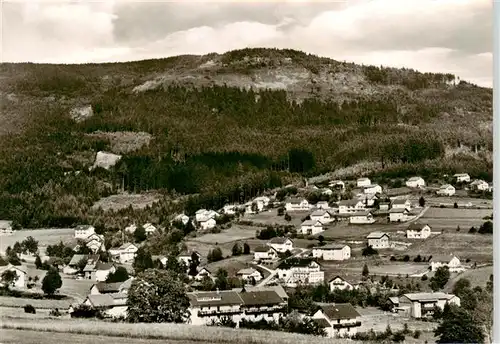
(447, 36)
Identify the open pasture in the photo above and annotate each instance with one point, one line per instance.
(376, 268)
(7, 301)
(448, 218)
(271, 217)
(45, 237)
(477, 277)
(235, 233)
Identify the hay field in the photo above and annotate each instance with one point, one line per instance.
(45, 237)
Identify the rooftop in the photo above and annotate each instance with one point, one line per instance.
(400, 201)
(376, 235)
(214, 298)
(296, 262)
(331, 247)
(428, 296)
(279, 240)
(415, 226)
(340, 311)
(260, 298)
(311, 223)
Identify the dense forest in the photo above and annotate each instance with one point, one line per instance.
(222, 142)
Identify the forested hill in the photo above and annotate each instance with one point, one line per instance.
(219, 123)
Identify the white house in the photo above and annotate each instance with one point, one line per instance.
(186, 257)
(338, 320)
(102, 270)
(20, 273)
(342, 283)
(415, 182)
(201, 214)
(399, 215)
(351, 206)
(207, 223)
(262, 202)
(322, 205)
(311, 227)
(297, 204)
(203, 273)
(6, 227)
(183, 218)
(149, 228)
(95, 243)
(368, 199)
(361, 218)
(372, 189)
(418, 305)
(111, 305)
(323, 216)
(332, 252)
(295, 271)
(124, 254)
(418, 231)
(131, 228)
(451, 261)
(281, 244)
(401, 203)
(361, 182)
(249, 274)
(265, 253)
(462, 177)
(378, 240)
(446, 190)
(479, 185)
(337, 184)
(84, 231)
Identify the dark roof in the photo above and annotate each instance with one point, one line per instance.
(104, 287)
(331, 247)
(262, 248)
(299, 262)
(280, 240)
(398, 210)
(260, 298)
(400, 201)
(103, 266)
(442, 258)
(350, 202)
(77, 258)
(428, 296)
(294, 200)
(322, 323)
(213, 298)
(416, 226)
(340, 311)
(107, 300)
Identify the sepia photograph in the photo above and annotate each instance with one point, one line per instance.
(252, 172)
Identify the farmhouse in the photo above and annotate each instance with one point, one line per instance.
(183, 218)
(6, 227)
(342, 283)
(149, 228)
(451, 261)
(462, 177)
(399, 215)
(322, 205)
(276, 288)
(112, 305)
(111, 288)
(311, 227)
(97, 271)
(20, 273)
(350, 206)
(84, 231)
(249, 275)
(337, 184)
(94, 242)
(297, 204)
(281, 244)
(401, 203)
(415, 182)
(295, 271)
(339, 320)
(446, 190)
(372, 189)
(202, 274)
(124, 254)
(361, 217)
(420, 305)
(479, 185)
(368, 199)
(332, 252)
(265, 254)
(361, 182)
(207, 223)
(418, 231)
(323, 216)
(378, 240)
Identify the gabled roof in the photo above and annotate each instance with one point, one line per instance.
(107, 300)
(279, 240)
(349, 280)
(311, 223)
(349, 202)
(126, 245)
(263, 248)
(461, 175)
(360, 213)
(416, 227)
(376, 235)
(295, 200)
(400, 201)
(247, 271)
(12, 267)
(442, 258)
(83, 227)
(340, 311)
(363, 179)
(104, 287)
(103, 266)
(320, 212)
(77, 258)
(370, 186)
(260, 298)
(429, 296)
(201, 211)
(398, 210)
(331, 247)
(296, 262)
(322, 323)
(414, 179)
(276, 288)
(446, 186)
(213, 298)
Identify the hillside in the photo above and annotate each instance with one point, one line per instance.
(223, 124)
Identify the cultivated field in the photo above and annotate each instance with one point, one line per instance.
(435, 201)
(376, 268)
(122, 201)
(271, 217)
(44, 236)
(235, 233)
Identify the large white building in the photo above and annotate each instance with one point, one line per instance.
(84, 231)
(332, 252)
(361, 182)
(361, 218)
(451, 261)
(462, 177)
(311, 227)
(124, 254)
(351, 206)
(295, 271)
(338, 320)
(297, 204)
(20, 272)
(379, 240)
(323, 216)
(446, 190)
(419, 305)
(418, 231)
(372, 189)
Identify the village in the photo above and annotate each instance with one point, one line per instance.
(346, 235)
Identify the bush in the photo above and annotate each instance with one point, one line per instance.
(472, 230)
(29, 309)
(424, 278)
(398, 337)
(417, 334)
(455, 205)
(84, 311)
(55, 312)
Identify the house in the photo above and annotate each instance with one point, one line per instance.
(95, 243)
(342, 283)
(202, 274)
(262, 202)
(186, 257)
(419, 305)
(265, 254)
(182, 218)
(462, 177)
(368, 199)
(446, 190)
(102, 270)
(131, 228)
(249, 274)
(326, 191)
(351, 206)
(399, 215)
(73, 265)
(111, 288)
(149, 228)
(84, 231)
(361, 182)
(201, 214)
(20, 273)
(311, 227)
(297, 204)
(332, 252)
(6, 227)
(111, 305)
(361, 217)
(479, 185)
(281, 244)
(322, 205)
(418, 231)
(384, 206)
(401, 203)
(323, 216)
(372, 189)
(338, 320)
(415, 182)
(378, 240)
(337, 185)
(262, 305)
(295, 271)
(207, 223)
(276, 288)
(451, 261)
(124, 254)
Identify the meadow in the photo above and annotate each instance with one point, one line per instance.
(45, 237)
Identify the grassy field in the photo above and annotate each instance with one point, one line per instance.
(375, 268)
(122, 201)
(18, 302)
(235, 233)
(435, 201)
(44, 236)
(271, 218)
(477, 277)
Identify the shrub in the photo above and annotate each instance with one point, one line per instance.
(424, 278)
(29, 309)
(417, 334)
(472, 230)
(55, 312)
